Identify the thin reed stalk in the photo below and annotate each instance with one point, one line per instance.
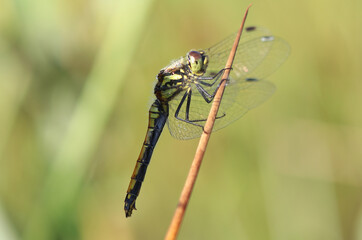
(200, 151)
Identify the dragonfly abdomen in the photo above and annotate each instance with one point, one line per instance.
(157, 118)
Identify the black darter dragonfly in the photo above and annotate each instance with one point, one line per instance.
(185, 89)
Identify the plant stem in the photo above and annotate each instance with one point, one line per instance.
(200, 151)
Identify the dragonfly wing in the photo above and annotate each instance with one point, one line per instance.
(260, 57)
(239, 97)
(246, 89)
(259, 54)
(219, 53)
(198, 111)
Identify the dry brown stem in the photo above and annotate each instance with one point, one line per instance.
(200, 151)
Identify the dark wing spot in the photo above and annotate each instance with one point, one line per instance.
(251, 79)
(249, 29)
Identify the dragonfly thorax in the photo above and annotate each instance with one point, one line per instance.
(197, 62)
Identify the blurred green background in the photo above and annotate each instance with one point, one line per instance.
(76, 81)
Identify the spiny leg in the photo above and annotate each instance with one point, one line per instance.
(215, 78)
(188, 94)
(202, 80)
(207, 96)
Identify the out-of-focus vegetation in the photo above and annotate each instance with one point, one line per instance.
(76, 78)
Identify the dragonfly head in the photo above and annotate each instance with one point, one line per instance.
(197, 62)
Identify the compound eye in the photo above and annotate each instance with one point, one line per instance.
(194, 56)
(195, 61)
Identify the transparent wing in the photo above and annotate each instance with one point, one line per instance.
(237, 101)
(258, 55)
(219, 53)
(256, 45)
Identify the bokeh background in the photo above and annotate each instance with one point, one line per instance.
(76, 81)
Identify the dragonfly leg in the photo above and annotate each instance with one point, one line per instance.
(188, 95)
(207, 96)
(188, 111)
(216, 77)
(202, 80)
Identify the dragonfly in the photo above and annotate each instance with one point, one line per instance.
(186, 87)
